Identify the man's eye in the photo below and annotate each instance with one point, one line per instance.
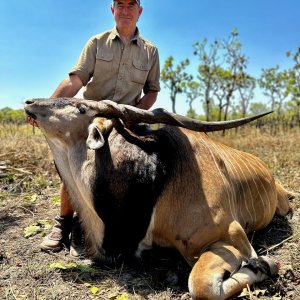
(81, 108)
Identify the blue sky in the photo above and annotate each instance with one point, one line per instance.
(42, 39)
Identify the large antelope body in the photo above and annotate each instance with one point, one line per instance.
(134, 187)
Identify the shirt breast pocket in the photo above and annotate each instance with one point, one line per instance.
(104, 64)
(140, 71)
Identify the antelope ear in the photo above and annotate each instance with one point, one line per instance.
(95, 138)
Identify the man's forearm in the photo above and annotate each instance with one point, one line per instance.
(147, 100)
(69, 87)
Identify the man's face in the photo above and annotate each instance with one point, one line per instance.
(126, 13)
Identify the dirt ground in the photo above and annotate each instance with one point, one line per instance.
(29, 200)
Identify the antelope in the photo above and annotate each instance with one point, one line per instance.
(135, 187)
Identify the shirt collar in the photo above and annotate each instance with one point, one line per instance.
(114, 33)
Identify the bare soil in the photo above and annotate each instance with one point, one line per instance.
(29, 195)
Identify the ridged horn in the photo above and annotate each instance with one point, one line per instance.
(127, 113)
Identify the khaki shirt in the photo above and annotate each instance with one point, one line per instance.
(111, 70)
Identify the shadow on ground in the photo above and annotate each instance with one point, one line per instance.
(274, 234)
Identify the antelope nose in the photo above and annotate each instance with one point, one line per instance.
(29, 101)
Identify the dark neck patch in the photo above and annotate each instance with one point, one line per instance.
(131, 173)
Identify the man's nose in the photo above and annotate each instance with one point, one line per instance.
(125, 10)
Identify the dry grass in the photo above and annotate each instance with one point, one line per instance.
(279, 152)
(29, 193)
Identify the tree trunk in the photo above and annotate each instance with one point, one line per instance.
(173, 99)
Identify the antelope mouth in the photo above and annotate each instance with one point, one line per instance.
(30, 114)
(31, 118)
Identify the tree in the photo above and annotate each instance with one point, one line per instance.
(246, 93)
(222, 72)
(220, 78)
(235, 78)
(274, 83)
(192, 91)
(209, 61)
(293, 85)
(9, 115)
(258, 108)
(175, 78)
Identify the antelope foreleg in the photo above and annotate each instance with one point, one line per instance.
(221, 272)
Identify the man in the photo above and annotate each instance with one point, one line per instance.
(118, 65)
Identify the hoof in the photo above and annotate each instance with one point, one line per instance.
(273, 265)
(264, 264)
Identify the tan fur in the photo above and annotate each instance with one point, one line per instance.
(283, 206)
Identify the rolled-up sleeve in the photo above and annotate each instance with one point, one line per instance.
(152, 82)
(86, 63)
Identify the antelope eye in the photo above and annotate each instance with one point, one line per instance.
(81, 108)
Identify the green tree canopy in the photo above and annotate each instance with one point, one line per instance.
(175, 78)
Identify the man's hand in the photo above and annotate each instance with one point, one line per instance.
(147, 100)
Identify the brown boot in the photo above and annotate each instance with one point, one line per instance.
(77, 246)
(59, 235)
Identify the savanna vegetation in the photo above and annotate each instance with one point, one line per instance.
(12, 116)
(223, 88)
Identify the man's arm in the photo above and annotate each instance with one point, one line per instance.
(69, 87)
(147, 100)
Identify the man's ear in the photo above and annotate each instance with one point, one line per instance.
(140, 10)
(112, 8)
(95, 138)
